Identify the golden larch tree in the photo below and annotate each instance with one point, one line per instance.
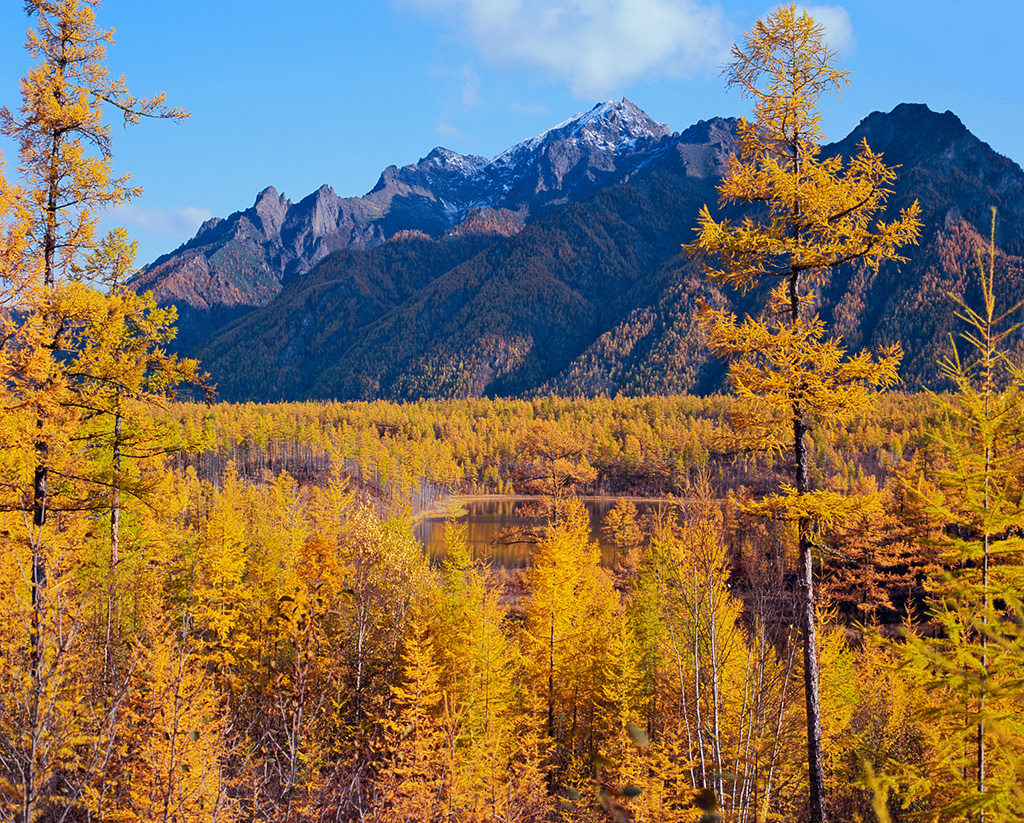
(62, 133)
(63, 139)
(64, 145)
(816, 213)
(971, 672)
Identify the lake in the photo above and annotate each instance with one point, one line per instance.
(484, 519)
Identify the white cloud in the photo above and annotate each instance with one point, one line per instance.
(838, 28)
(470, 87)
(596, 45)
(446, 129)
(464, 99)
(180, 221)
(535, 109)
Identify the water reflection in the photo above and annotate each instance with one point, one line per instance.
(484, 519)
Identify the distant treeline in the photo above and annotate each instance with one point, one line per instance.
(646, 445)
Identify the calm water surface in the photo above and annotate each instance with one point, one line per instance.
(484, 519)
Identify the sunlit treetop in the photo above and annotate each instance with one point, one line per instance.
(786, 67)
(62, 131)
(822, 212)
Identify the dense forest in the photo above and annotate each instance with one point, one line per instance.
(263, 646)
(638, 446)
(219, 612)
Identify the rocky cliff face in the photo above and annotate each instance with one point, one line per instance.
(951, 173)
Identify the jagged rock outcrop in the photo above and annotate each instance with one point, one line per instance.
(949, 171)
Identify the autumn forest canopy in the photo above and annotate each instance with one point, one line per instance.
(219, 613)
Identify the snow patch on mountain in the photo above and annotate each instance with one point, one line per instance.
(609, 125)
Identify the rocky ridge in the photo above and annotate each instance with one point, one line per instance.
(242, 261)
(555, 266)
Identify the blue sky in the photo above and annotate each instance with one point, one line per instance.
(332, 91)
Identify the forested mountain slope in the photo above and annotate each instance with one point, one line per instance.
(564, 273)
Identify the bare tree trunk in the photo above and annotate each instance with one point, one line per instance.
(716, 730)
(551, 680)
(696, 681)
(984, 671)
(746, 725)
(39, 504)
(801, 459)
(682, 700)
(778, 727)
(815, 767)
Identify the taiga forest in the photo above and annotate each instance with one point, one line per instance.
(803, 602)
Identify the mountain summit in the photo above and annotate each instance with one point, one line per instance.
(577, 155)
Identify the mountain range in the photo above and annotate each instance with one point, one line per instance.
(556, 266)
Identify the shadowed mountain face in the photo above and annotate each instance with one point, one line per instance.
(554, 266)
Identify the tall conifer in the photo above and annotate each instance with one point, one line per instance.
(821, 213)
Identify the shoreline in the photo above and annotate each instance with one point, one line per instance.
(455, 503)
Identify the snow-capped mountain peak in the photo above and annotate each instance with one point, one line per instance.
(448, 160)
(608, 126)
